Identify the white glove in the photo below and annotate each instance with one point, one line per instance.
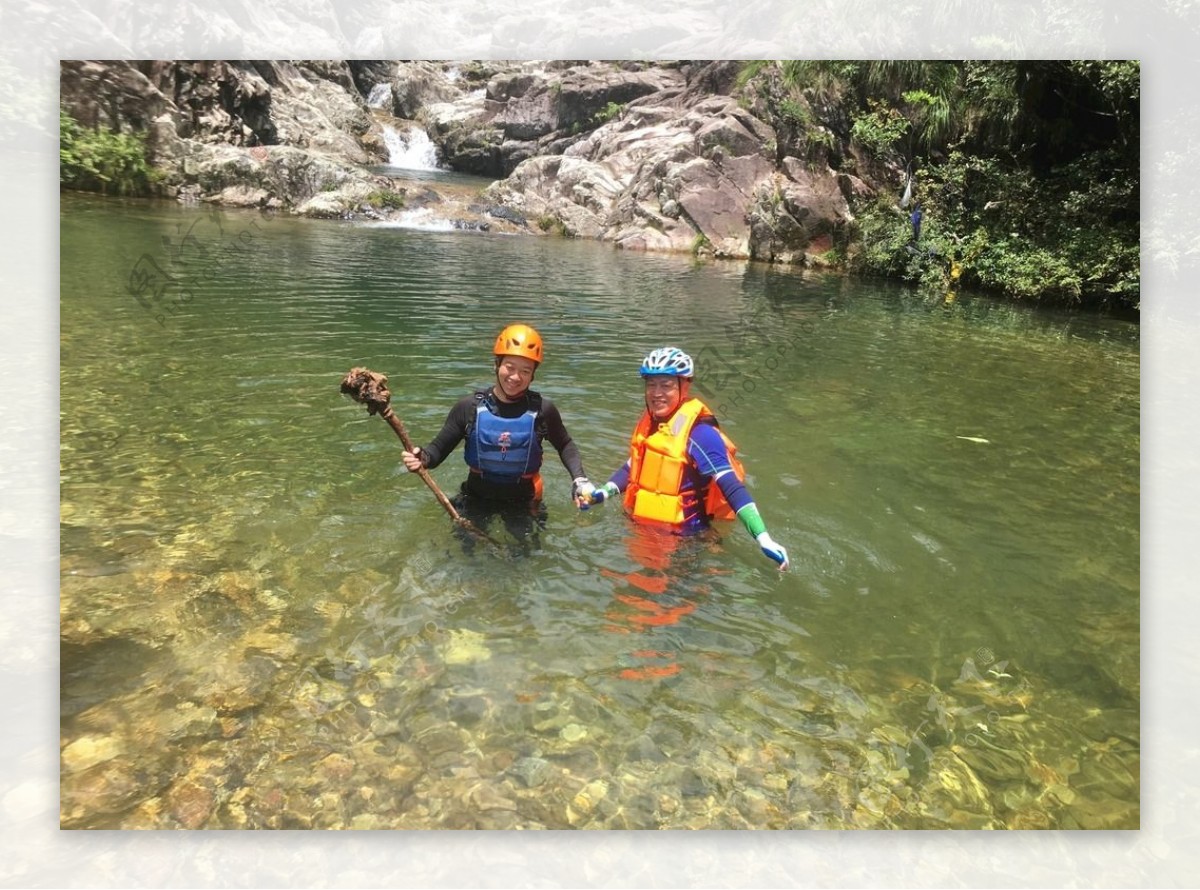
(581, 492)
(773, 551)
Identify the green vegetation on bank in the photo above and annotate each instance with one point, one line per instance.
(383, 199)
(1026, 171)
(100, 160)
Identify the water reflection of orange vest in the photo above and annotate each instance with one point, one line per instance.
(658, 464)
(635, 612)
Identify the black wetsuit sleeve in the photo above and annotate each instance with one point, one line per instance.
(454, 430)
(556, 432)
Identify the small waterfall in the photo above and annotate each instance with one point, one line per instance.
(381, 96)
(453, 76)
(422, 218)
(411, 150)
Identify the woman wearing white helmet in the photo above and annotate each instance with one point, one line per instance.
(683, 471)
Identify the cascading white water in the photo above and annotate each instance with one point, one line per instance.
(381, 96)
(453, 75)
(422, 218)
(395, 145)
(411, 150)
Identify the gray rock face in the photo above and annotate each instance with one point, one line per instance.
(680, 173)
(418, 84)
(306, 105)
(650, 156)
(195, 113)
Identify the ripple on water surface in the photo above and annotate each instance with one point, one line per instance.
(267, 622)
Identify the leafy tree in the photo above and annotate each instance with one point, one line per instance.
(1028, 170)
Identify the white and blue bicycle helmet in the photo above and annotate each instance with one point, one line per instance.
(668, 361)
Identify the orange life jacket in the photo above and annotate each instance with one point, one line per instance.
(657, 460)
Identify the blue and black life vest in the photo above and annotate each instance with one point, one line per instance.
(501, 449)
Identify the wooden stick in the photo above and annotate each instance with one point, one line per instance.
(370, 388)
(397, 424)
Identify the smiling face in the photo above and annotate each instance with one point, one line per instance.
(513, 376)
(664, 394)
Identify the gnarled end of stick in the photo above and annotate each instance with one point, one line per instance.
(367, 388)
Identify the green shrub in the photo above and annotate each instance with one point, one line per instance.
(834, 257)
(608, 112)
(103, 161)
(1027, 271)
(553, 225)
(880, 128)
(384, 199)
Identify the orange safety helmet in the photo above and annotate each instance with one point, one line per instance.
(519, 339)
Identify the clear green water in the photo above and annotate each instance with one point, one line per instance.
(266, 622)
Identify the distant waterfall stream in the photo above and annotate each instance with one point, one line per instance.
(411, 149)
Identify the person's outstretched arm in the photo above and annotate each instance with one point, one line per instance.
(616, 484)
(707, 449)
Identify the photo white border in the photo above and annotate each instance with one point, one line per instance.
(33, 38)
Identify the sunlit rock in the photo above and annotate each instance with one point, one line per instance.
(89, 750)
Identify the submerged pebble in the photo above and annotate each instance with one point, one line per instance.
(464, 647)
(531, 771)
(644, 748)
(586, 801)
(468, 710)
(90, 750)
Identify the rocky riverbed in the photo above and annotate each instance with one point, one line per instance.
(236, 722)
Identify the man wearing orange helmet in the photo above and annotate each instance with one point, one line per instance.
(504, 427)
